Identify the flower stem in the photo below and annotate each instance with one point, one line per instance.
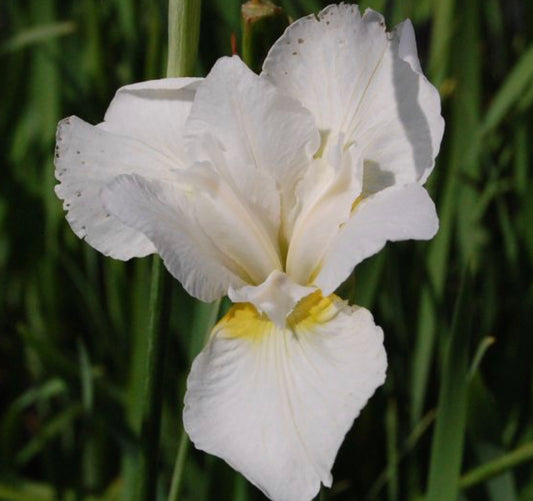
(183, 35)
(153, 382)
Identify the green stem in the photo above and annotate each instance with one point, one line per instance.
(497, 466)
(183, 36)
(153, 382)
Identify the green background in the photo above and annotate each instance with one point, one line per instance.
(454, 419)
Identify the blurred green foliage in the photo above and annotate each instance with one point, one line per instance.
(73, 324)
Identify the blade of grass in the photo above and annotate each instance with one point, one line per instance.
(441, 40)
(179, 467)
(489, 470)
(137, 362)
(464, 125)
(153, 382)
(241, 489)
(482, 348)
(26, 490)
(391, 425)
(37, 34)
(51, 430)
(448, 437)
(512, 90)
(205, 316)
(412, 440)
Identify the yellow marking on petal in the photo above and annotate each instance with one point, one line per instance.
(243, 321)
(312, 310)
(357, 201)
(314, 273)
(324, 135)
(318, 267)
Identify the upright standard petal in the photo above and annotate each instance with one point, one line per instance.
(325, 199)
(257, 126)
(267, 139)
(142, 134)
(277, 403)
(365, 84)
(396, 213)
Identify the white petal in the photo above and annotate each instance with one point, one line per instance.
(263, 134)
(143, 123)
(154, 112)
(275, 297)
(166, 213)
(254, 214)
(86, 158)
(325, 197)
(396, 213)
(399, 125)
(276, 404)
(258, 127)
(359, 81)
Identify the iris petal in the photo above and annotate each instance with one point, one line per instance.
(277, 403)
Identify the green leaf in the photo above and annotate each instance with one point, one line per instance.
(37, 34)
(519, 80)
(51, 429)
(490, 469)
(448, 437)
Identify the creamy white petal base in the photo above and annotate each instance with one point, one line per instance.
(277, 403)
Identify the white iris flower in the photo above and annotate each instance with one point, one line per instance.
(270, 189)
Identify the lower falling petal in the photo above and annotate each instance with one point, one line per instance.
(276, 403)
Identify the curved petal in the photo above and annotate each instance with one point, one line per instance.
(396, 213)
(399, 124)
(257, 208)
(276, 403)
(86, 159)
(261, 132)
(167, 213)
(154, 112)
(142, 134)
(276, 297)
(326, 195)
(366, 84)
